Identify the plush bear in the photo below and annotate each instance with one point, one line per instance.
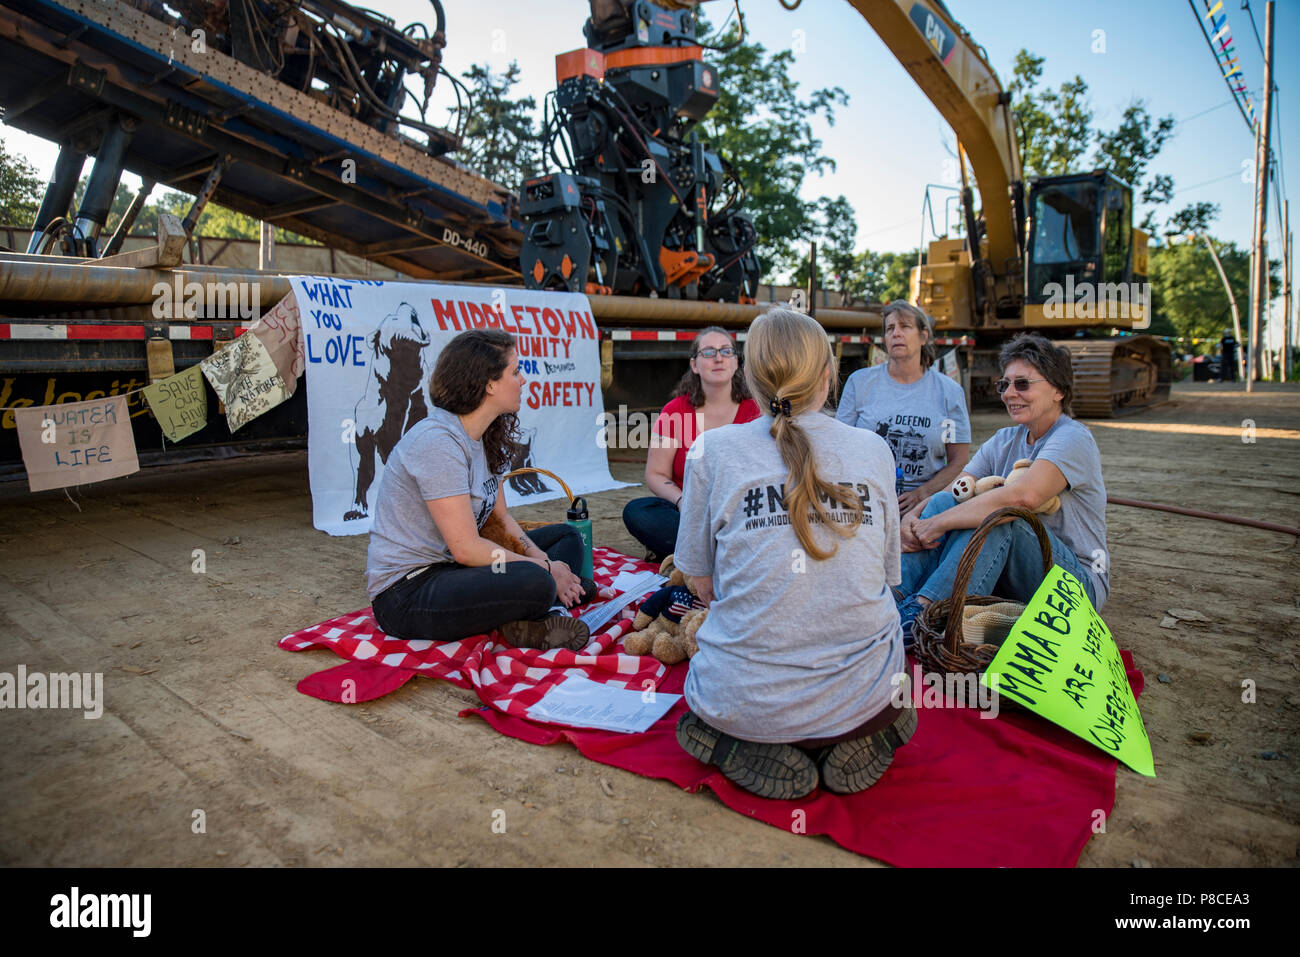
(964, 488)
(667, 622)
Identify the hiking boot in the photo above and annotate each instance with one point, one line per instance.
(555, 631)
(778, 771)
(590, 591)
(852, 766)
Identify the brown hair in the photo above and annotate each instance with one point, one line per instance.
(1052, 362)
(690, 385)
(459, 384)
(787, 358)
(922, 322)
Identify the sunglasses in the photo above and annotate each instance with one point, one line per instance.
(1020, 382)
(726, 353)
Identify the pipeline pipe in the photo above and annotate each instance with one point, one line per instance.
(37, 279)
(1194, 513)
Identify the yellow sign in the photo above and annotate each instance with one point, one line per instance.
(1061, 662)
(179, 403)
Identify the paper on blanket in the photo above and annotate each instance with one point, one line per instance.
(584, 703)
(1061, 662)
(630, 586)
(179, 403)
(76, 443)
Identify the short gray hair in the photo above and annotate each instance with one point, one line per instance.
(1052, 361)
(920, 320)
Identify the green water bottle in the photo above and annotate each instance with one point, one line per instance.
(577, 517)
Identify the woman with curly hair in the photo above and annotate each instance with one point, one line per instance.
(429, 573)
(711, 394)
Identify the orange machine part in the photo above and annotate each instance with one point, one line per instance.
(566, 266)
(593, 289)
(681, 268)
(584, 62)
(539, 271)
(651, 56)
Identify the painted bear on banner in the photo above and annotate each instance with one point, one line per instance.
(530, 484)
(396, 397)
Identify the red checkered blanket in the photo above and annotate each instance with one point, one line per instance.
(509, 679)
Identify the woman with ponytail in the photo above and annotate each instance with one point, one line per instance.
(790, 532)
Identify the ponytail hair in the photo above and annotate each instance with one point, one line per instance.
(786, 360)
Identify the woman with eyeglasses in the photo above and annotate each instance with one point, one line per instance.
(790, 533)
(913, 406)
(1037, 385)
(711, 394)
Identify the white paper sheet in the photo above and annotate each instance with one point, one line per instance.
(584, 703)
(630, 587)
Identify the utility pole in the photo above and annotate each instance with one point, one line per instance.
(1286, 291)
(266, 247)
(1261, 290)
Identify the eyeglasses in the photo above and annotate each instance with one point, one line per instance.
(1020, 382)
(726, 353)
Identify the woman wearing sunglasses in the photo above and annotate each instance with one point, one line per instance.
(914, 407)
(712, 393)
(1037, 385)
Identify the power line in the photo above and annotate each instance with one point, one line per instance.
(1209, 43)
(1217, 179)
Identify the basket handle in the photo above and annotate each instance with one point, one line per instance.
(952, 635)
(528, 471)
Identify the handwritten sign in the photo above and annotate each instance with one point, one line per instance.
(1061, 662)
(245, 376)
(76, 443)
(179, 403)
(281, 332)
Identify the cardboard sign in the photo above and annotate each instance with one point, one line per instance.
(371, 347)
(76, 443)
(1061, 662)
(245, 376)
(179, 403)
(281, 332)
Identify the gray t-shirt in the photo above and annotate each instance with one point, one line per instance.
(793, 647)
(1081, 520)
(435, 459)
(917, 419)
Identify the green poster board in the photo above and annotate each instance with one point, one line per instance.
(1061, 662)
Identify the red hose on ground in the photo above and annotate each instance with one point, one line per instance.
(1230, 519)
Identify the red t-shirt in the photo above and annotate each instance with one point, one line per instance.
(678, 421)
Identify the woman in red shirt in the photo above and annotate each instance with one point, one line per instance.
(712, 393)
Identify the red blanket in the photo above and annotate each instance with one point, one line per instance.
(965, 791)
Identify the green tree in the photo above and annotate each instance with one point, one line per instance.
(1193, 218)
(1054, 124)
(1128, 150)
(764, 128)
(898, 275)
(1186, 290)
(835, 230)
(21, 188)
(500, 141)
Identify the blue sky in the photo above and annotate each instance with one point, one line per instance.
(889, 142)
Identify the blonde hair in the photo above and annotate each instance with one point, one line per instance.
(786, 359)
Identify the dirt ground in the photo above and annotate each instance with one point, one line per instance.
(202, 713)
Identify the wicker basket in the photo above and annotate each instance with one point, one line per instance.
(528, 526)
(939, 645)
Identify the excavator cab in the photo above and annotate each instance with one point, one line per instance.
(1083, 253)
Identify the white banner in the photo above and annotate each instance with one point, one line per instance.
(370, 348)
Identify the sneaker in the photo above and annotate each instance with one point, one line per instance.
(852, 766)
(555, 631)
(778, 771)
(908, 612)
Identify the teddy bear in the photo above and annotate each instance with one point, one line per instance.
(964, 489)
(666, 624)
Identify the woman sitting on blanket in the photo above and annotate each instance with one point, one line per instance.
(430, 574)
(790, 532)
(1037, 385)
(710, 394)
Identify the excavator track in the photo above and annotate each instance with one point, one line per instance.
(1115, 377)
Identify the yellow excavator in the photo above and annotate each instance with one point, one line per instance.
(1063, 258)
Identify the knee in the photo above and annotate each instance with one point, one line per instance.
(569, 537)
(939, 502)
(533, 583)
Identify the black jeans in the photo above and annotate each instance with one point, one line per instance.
(447, 601)
(653, 522)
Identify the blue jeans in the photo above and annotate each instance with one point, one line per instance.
(653, 522)
(1009, 565)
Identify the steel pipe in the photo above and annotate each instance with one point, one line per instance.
(29, 279)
